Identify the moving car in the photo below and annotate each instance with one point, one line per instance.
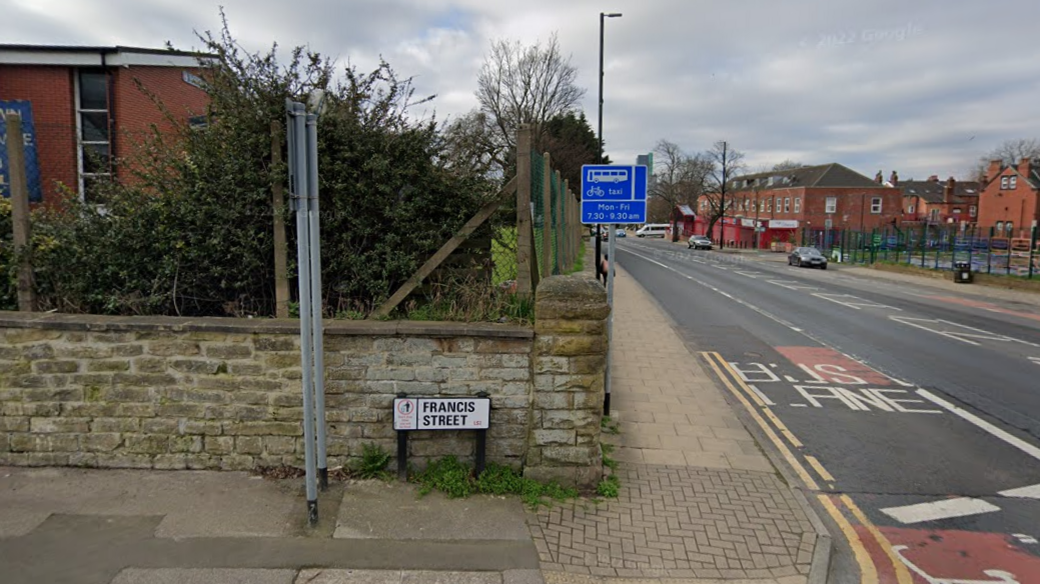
(621, 233)
(699, 242)
(807, 256)
(652, 230)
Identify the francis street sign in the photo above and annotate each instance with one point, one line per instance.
(613, 194)
(450, 413)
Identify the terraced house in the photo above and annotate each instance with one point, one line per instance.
(1010, 198)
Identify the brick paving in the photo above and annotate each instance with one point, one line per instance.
(698, 499)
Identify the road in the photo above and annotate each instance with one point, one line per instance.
(910, 415)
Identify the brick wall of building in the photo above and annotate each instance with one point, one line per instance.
(1020, 206)
(51, 91)
(135, 111)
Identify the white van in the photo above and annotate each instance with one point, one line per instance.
(652, 230)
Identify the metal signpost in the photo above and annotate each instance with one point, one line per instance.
(302, 138)
(616, 195)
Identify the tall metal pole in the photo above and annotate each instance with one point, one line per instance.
(318, 329)
(609, 276)
(297, 142)
(611, 260)
(722, 199)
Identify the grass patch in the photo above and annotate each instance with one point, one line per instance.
(609, 487)
(609, 426)
(373, 463)
(456, 480)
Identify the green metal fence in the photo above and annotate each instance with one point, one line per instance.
(938, 247)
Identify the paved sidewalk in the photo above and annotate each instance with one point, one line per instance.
(698, 500)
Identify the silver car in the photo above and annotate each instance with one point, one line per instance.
(807, 256)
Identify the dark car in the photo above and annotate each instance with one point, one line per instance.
(698, 242)
(807, 256)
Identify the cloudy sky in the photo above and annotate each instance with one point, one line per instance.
(922, 87)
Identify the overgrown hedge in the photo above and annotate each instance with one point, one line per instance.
(187, 228)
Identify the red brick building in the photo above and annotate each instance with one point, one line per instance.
(1010, 199)
(940, 203)
(87, 106)
(825, 198)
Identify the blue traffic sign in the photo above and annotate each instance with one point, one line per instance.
(613, 194)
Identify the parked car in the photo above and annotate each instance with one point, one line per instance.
(699, 242)
(621, 233)
(807, 256)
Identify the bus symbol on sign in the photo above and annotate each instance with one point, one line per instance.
(600, 175)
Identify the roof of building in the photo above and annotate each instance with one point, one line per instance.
(685, 210)
(831, 175)
(95, 56)
(932, 191)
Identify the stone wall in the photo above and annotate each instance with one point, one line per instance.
(225, 393)
(179, 393)
(569, 363)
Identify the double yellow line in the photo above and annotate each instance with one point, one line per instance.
(868, 571)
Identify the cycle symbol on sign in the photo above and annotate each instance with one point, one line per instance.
(595, 192)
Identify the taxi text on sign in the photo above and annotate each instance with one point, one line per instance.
(613, 194)
(469, 413)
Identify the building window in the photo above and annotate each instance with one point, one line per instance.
(1003, 182)
(769, 205)
(797, 204)
(973, 211)
(910, 210)
(1000, 227)
(875, 205)
(1009, 228)
(95, 155)
(935, 216)
(787, 204)
(1013, 182)
(832, 205)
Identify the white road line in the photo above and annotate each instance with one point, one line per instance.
(750, 274)
(1035, 360)
(944, 509)
(788, 284)
(765, 399)
(852, 301)
(1030, 492)
(941, 328)
(983, 424)
(1024, 538)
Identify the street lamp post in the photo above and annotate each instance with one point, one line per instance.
(599, 128)
(609, 276)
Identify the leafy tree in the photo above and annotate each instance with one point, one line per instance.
(571, 142)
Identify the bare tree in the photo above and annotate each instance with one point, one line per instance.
(788, 165)
(1008, 152)
(679, 179)
(725, 163)
(469, 145)
(525, 85)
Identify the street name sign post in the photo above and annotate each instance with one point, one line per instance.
(441, 413)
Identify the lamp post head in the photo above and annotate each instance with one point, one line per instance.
(610, 14)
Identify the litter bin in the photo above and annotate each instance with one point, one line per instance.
(962, 272)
